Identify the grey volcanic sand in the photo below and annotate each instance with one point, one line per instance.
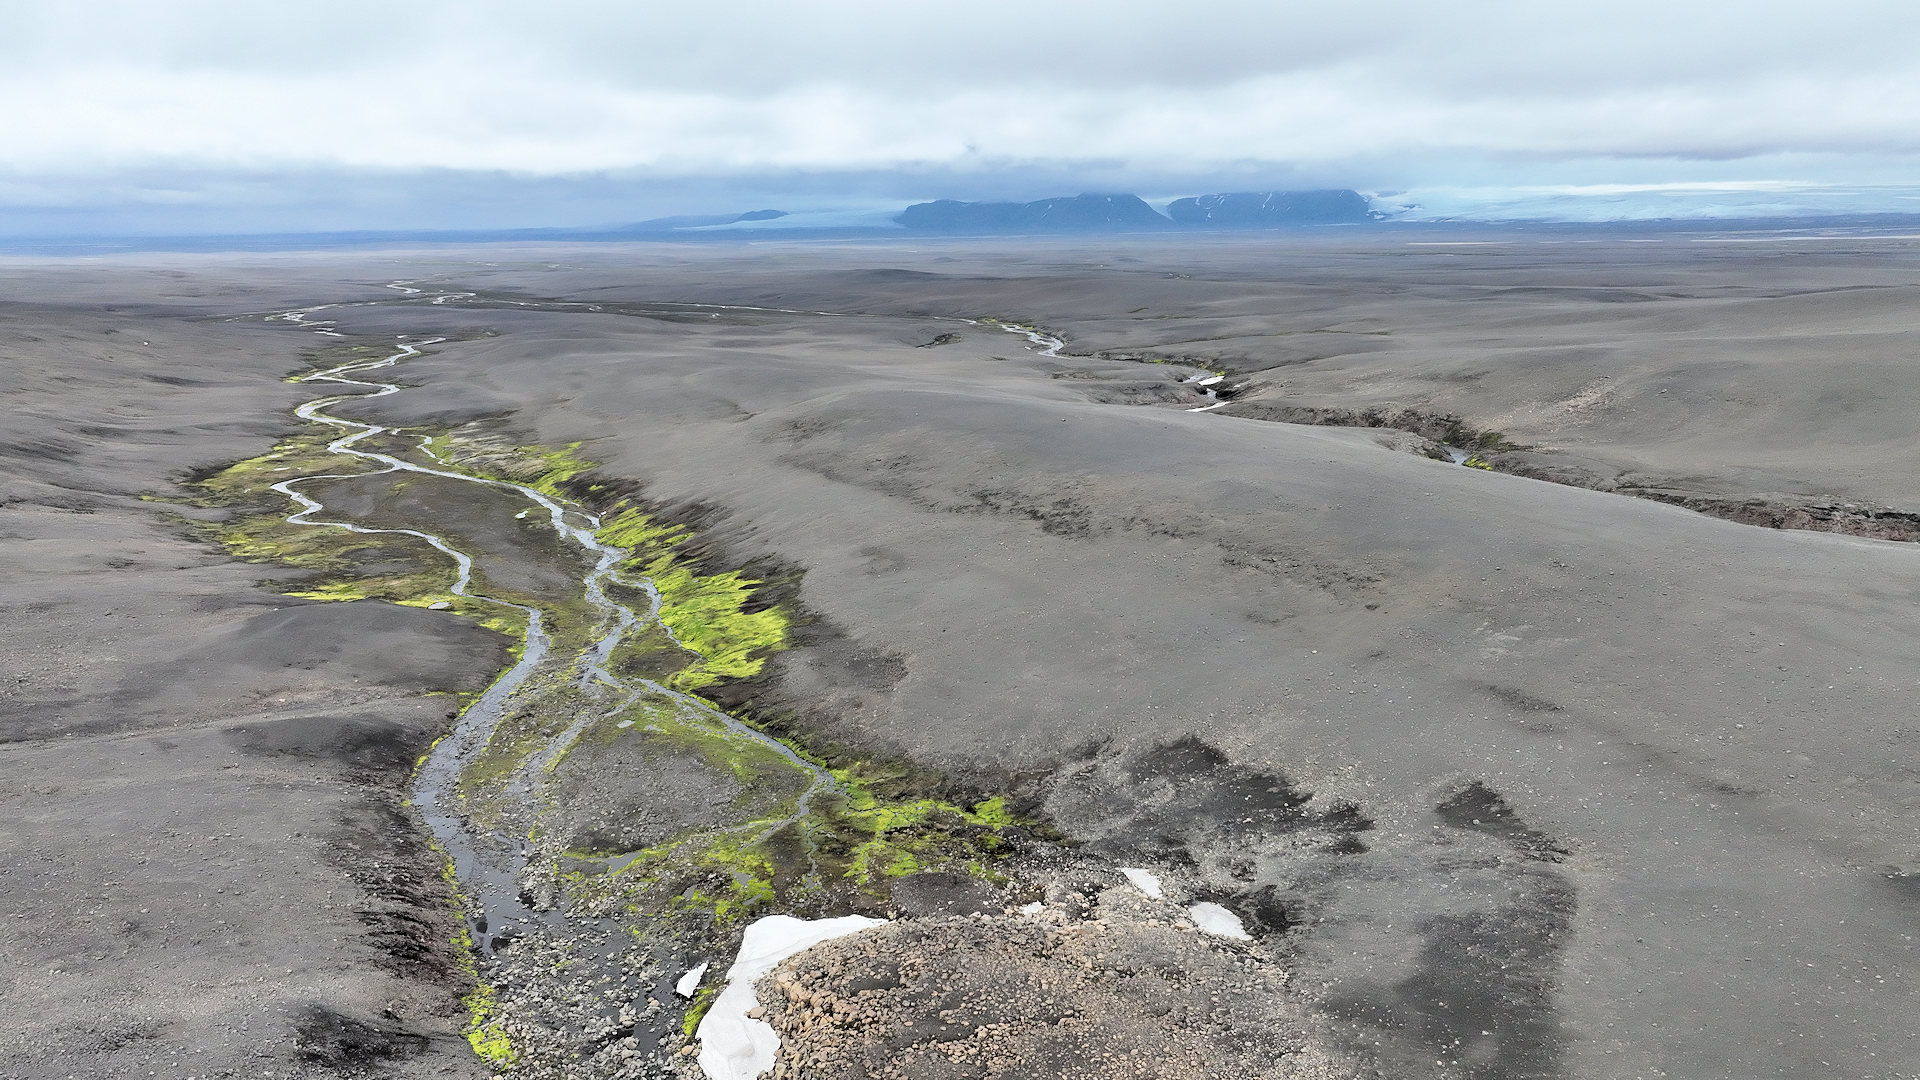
(1524, 779)
(207, 871)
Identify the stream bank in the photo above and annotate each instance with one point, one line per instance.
(599, 816)
(614, 830)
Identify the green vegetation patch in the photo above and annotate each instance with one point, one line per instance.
(548, 471)
(721, 630)
(339, 564)
(853, 838)
(712, 615)
(753, 764)
(249, 482)
(866, 825)
(1484, 441)
(697, 1009)
(485, 1033)
(881, 837)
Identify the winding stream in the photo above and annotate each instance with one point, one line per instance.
(488, 868)
(1047, 344)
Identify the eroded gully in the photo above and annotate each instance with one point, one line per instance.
(487, 867)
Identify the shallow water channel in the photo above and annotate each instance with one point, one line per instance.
(492, 866)
(489, 866)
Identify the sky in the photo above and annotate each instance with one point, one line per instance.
(196, 115)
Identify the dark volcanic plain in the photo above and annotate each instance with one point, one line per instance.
(1509, 778)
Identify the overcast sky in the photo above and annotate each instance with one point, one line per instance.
(209, 106)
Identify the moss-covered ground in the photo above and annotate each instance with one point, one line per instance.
(866, 827)
(803, 837)
(713, 628)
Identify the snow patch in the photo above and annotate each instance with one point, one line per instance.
(1144, 880)
(1034, 908)
(689, 983)
(734, 1046)
(1213, 919)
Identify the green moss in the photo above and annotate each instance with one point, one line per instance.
(503, 620)
(435, 446)
(876, 822)
(304, 454)
(484, 1031)
(341, 565)
(697, 1010)
(708, 614)
(756, 766)
(1488, 441)
(727, 877)
(894, 839)
(853, 836)
(994, 812)
(558, 467)
(1477, 462)
(728, 873)
(712, 615)
(343, 590)
(747, 874)
(638, 532)
(544, 470)
(889, 835)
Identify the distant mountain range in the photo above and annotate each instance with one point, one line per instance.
(1129, 213)
(1271, 209)
(1064, 214)
(1651, 210)
(1077, 213)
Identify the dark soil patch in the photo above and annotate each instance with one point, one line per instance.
(338, 1041)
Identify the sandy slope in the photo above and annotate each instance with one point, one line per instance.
(1640, 781)
(207, 869)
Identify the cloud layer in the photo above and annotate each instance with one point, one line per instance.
(734, 88)
(124, 116)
